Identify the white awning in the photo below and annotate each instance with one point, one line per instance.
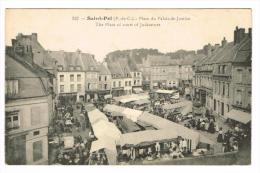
(68, 141)
(138, 90)
(132, 114)
(239, 116)
(95, 116)
(104, 128)
(108, 96)
(165, 91)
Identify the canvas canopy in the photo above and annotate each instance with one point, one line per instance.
(176, 105)
(128, 125)
(138, 90)
(95, 116)
(68, 142)
(141, 102)
(114, 109)
(161, 123)
(102, 143)
(108, 96)
(109, 147)
(131, 114)
(239, 116)
(105, 128)
(127, 100)
(147, 136)
(165, 91)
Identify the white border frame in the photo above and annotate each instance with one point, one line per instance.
(253, 4)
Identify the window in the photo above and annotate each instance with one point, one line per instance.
(99, 78)
(12, 120)
(105, 86)
(37, 151)
(138, 74)
(35, 133)
(72, 77)
(134, 82)
(11, 87)
(61, 88)
(78, 77)
(223, 92)
(125, 83)
(238, 97)
(239, 75)
(130, 83)
(119, 83)
(224, 69)
(79, 87)
(105, 78)
(35, 115)
(228, 90)
(222, 108)
(61, 78)
(71, 87)
(134, 74)
(71, 68)
(114, 84)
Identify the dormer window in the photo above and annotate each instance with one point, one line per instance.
(71, 68)
(11, 87)
(60, 68)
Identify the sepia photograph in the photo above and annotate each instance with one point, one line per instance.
(128, 86)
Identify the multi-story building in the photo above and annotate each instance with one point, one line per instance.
(70, 76)
(223, 78)
(28, 107)
(122, 80)
(186, 71)
(163, 71)
(104, 80)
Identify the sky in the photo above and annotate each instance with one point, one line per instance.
(58, 30)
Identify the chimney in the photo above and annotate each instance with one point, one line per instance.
(34, 36)
(19, 36)
(239, 34)
(224, 42)
(250, 32)
(207, 49)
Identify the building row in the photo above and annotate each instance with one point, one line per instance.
(222, 79)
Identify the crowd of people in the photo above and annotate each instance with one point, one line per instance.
(159, 150)
(67, 122)
(76, 155)
(98, 158)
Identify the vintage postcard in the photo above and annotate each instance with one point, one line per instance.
(128, 86)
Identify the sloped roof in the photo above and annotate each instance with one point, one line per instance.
(30, 79)
(66, 59)
(240, 52)
(103, 70)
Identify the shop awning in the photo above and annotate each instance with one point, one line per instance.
(239, 116)
(138, 90)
